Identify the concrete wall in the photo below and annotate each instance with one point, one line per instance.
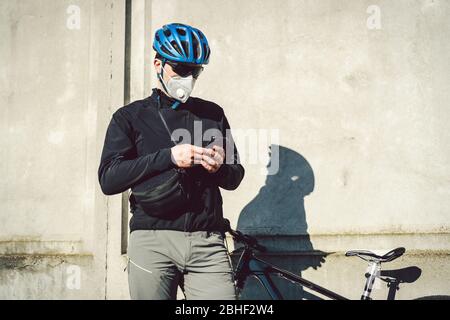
(362, 113)
(62, 76)
(356, 93)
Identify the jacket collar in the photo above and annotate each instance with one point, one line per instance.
(166, 101)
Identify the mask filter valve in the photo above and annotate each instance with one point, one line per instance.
(181, 93)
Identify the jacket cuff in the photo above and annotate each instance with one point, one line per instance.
(165, 159)
(221, 173)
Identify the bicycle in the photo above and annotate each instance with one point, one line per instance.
(250, 265)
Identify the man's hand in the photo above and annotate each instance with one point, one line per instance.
(213, 158)
(187, 155)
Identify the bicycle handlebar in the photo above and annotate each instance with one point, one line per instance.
(243, 238)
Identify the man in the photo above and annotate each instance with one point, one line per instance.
(189, 249)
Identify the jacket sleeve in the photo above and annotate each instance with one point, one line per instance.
(120, 168)
(231, 172)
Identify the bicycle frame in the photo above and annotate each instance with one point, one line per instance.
(249, 265)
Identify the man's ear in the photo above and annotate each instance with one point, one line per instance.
(157, 64)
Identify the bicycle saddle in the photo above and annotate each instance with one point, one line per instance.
(372, 257)
(405, 275)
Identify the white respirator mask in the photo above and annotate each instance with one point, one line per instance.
(179, 88)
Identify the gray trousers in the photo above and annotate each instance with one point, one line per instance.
(160, 260)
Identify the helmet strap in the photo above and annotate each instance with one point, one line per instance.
(160, 76)
(162, 68)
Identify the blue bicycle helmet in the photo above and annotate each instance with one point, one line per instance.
(179, 42)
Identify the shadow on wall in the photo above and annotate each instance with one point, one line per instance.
(277, 218)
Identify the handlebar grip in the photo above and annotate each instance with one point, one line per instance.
(226, 226)
(239, 236)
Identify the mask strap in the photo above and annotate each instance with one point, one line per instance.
(160, 75)
(174, 106)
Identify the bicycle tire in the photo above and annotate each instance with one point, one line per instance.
(436, 297)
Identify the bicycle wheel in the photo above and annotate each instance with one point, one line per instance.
(437, 297)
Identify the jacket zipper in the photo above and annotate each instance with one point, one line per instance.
(188, 213)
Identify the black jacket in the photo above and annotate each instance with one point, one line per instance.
(137, 147)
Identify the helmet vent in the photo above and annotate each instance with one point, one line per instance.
(185, 47)
(181, 31)
(165, 51)
(196, 47)
(176, 47)
(167, 33)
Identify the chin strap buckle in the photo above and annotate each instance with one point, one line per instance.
(175, 105)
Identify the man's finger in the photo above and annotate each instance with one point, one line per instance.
(217, 147)
(206, 166)
(209, 160)
(198, 150)
(210, 152)
(218, 158)
(197, 158)
(219, 150)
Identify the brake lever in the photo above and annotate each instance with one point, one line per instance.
(249, 241)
